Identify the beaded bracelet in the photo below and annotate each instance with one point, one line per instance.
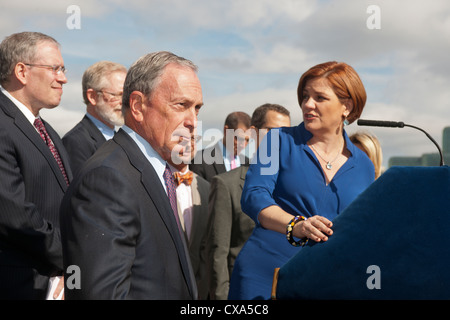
(290, 228)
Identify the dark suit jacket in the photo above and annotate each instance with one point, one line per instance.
(118, 227)
(211, 162)
(228, 229)
(31, 189)
(200, 194)
(81, 142)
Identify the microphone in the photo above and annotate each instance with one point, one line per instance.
(380, 123)
(395, 124)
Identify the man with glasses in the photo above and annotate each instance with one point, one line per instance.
(34, 167)
(102, 86)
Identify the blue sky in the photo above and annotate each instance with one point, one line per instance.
(250, 52)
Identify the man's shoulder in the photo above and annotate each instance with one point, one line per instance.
(233, 176)
(80, 129)
(201, 182)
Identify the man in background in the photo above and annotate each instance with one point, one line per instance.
(102, 85)
(228, 226)
(192, 203)
(225, 155)
(34, 166)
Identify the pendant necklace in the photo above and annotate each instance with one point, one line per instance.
(329, 165)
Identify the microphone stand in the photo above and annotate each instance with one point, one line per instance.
(432, 140)
(393, 124)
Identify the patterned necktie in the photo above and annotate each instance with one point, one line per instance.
(172, 193)
(44, 135)
(183, 178)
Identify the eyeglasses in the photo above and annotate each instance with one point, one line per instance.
(116, 96)
(56, 69)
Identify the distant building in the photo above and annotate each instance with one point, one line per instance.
(427, 159)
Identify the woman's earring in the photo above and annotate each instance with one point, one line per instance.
(346, 123)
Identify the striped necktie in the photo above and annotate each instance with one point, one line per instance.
(44, 135)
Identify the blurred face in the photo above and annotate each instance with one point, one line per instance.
(109, 100)
(241, 139)
(323, 112)
(273, 120)
(43, 87)
(169, 115)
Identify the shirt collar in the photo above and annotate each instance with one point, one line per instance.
(26, 112)
(227, 156)
(152, 156)
(107, 132)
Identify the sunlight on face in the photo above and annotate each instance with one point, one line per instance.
(322, 110)
(172, 109)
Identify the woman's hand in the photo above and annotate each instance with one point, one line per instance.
(316, 228)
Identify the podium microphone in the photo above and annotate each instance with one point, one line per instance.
(395, 124)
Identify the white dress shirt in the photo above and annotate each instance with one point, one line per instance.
(185, 206)
(106, 131)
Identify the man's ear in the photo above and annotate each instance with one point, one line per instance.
(137, 105)
(92, 96)
(21, 72)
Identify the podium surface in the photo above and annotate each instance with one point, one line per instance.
(391, 242)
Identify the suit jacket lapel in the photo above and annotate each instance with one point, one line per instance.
(93, 131)
(219, 166)
(30, 132)
(159, 198)
(196, 202)
(243, 169)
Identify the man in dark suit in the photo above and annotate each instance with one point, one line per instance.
(120, 223)
(225, 155)
(102, 86)
(34, 167)
(229, 227)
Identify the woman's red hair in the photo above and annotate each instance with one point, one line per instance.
(344, 81)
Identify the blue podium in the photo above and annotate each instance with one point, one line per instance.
(392, 242)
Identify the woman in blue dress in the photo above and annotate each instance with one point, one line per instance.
(303, 177)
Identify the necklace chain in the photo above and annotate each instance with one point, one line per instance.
(329, 165)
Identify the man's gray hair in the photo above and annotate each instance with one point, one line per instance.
(95, 77)
(144, 74)
(20, 47)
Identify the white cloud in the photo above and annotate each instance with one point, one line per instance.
(257, 50)
(208, 14)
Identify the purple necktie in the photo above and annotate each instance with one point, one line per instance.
(44, 135)
(172, 193)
